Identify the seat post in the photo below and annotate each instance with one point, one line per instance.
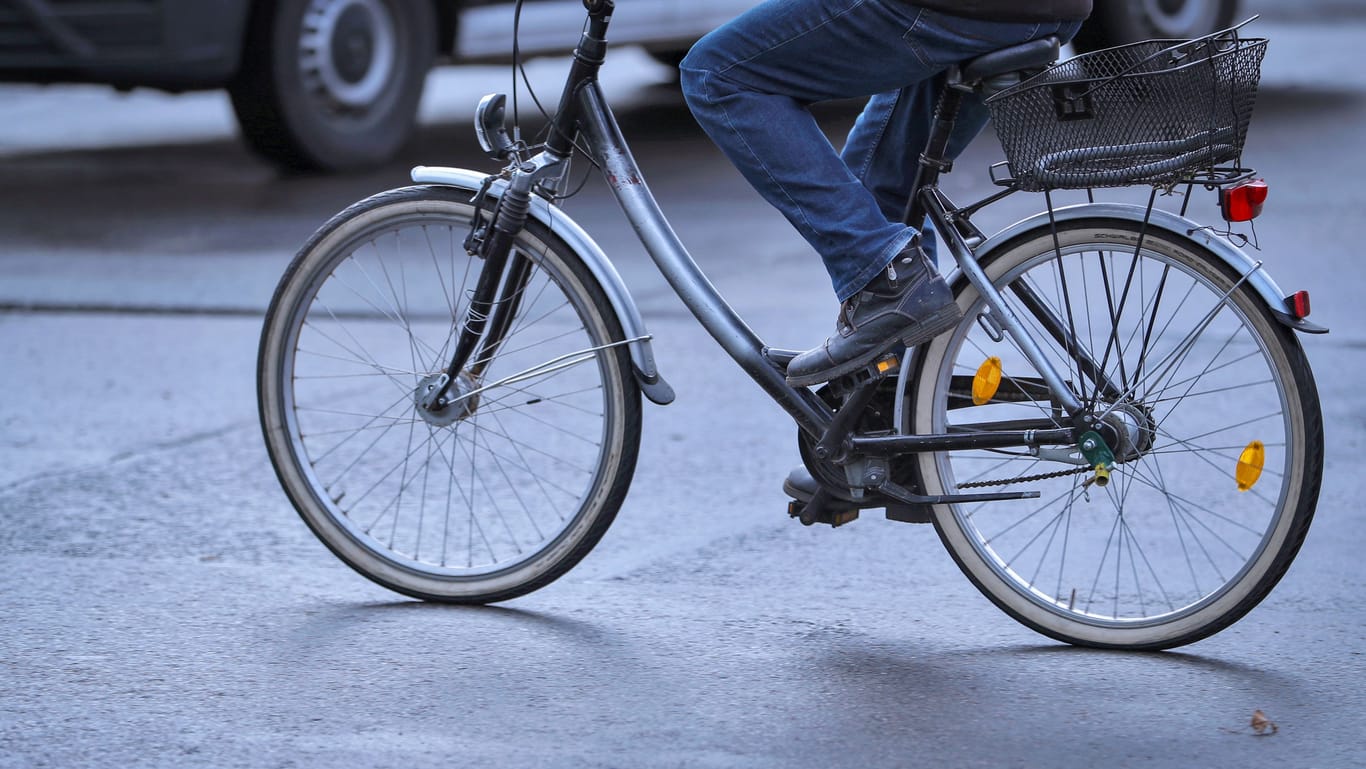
(933, 160)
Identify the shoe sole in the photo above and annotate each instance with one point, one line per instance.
(797, 493)
(943, 319)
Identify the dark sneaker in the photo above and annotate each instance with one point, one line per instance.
(801, 486)
(908, 303)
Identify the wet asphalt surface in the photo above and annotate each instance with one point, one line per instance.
(163, 605)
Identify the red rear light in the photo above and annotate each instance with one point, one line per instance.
(1243, 202)
(1299, 304)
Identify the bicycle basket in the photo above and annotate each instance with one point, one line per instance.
(1145, 113)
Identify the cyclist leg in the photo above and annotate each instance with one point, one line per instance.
(883, 148)
(750, 83)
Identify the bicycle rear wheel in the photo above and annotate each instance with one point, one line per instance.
(482, 502)
(1220, 461)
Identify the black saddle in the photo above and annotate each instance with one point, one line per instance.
(1009, 64)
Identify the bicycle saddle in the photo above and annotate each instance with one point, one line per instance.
(1034, 55)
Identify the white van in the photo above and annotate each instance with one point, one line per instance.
(335, 84)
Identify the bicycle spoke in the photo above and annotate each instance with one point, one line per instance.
(472, 454)
(363, 357)
(400, 317)
(369, 423)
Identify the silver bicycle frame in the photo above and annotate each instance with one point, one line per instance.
(1005, 316)
(584, 113)
(599, 128)
(711, 310)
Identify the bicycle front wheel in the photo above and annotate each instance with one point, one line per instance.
(1213, 410)
(491, 498)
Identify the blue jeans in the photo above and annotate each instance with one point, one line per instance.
(749, 84)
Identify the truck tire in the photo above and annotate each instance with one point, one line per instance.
(333, 85)
(1116, 22)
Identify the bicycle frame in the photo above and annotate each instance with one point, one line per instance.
(371, 389)
(584, 113)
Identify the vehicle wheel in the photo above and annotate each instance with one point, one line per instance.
(502, 492)
(1116, 22)
(1183, 540)
(333, 84)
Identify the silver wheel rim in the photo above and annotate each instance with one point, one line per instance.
(509, 469)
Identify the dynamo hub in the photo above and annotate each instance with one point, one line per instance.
(454, 406)
(1128, 429)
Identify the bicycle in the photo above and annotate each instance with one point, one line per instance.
(1120, 444)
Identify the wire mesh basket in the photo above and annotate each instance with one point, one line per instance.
(1155, 112)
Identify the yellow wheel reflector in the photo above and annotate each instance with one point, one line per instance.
(986, 381)
(1250, 465)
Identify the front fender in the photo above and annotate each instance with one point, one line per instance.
(1234, 257)
(558, 222)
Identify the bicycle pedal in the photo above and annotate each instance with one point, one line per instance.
(883, 367)
(810, 514)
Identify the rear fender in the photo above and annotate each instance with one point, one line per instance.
(1257, 278)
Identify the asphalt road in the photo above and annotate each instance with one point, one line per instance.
(163, 606)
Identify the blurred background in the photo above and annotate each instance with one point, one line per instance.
(163, 604)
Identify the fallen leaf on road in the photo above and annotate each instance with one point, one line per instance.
(1263, 726)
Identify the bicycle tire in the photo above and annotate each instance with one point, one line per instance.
(513, 490)
(1168, 553)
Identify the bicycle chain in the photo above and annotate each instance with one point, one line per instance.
(1024, 478)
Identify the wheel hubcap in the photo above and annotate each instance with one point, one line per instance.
(348, 51)
(1181, 18)
(353, 45)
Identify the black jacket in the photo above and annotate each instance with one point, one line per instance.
(1011, 10)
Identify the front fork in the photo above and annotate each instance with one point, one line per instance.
(498, 293)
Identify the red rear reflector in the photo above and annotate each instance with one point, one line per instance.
(1299, 304)
(1243, 202)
